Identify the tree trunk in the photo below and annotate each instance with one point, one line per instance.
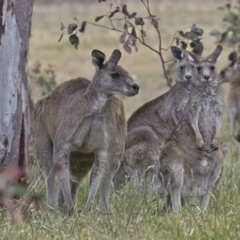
(15, 26)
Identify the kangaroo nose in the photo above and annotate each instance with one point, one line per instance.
(206, 77)
(188, 77)
(135, 87)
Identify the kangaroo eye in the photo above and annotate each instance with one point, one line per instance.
(182, 67)
(115, 75)
(212, 68)
(199, 69)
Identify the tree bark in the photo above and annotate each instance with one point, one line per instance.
(15, 26)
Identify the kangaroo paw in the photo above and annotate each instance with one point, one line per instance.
(215, 144)
(200, 143)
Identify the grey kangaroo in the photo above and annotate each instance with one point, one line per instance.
(232, 74)
(152, 123)
(76, 125)
(190, 162)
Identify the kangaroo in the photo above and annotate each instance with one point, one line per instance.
(141, 152)
(151, 124)
(190, 162)
(73, 124)
(232, 74)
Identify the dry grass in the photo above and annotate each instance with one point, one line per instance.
(132, 217)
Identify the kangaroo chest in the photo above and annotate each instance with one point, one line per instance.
(91, 135)
(206, 107)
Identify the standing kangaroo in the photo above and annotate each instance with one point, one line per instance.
(190, 162)
(232, 74)
(152, 123)
(74, 124)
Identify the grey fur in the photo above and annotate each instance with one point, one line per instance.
(81, 123)
(232, 74)
(190, 162)
(152, 123)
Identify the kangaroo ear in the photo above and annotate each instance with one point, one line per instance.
(216, 54)
(115, 57)
(192, 57)
(232, 57)
(99, 59)
(177, 53)
(198, 50)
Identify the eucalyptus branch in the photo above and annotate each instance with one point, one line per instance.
(162, 60)
(142, 35)
(155, 25)
(174, 37)
(102, 26)
(167, 61)
(115, 29)
(129, 36)
(146, 6)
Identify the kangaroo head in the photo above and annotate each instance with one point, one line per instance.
(184, 67)
(204, 71)
(110, 77)
(232, 71)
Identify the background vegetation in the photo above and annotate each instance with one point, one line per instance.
(132, 216)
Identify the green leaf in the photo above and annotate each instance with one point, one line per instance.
(230, 18)
(61, 37)
(98, 18)
(134, 32)
(82, 29)
(182, 34)
(62, 26)
(132, 15)
(112, 13)
(71, 28)
(190, 35)
(195, 43)
(139, 21)
(177, 41)
(122, 38)
(127, 48)
(154, 22)
(125, 28)
(198, 31)
(192, 44)
(75, 18)
(131, 40)
(232, 56)
(183, 45)
(124, 10)
(224, 35)
(74, 40)
(143, 33)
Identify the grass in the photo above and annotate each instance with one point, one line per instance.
(132, 216)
